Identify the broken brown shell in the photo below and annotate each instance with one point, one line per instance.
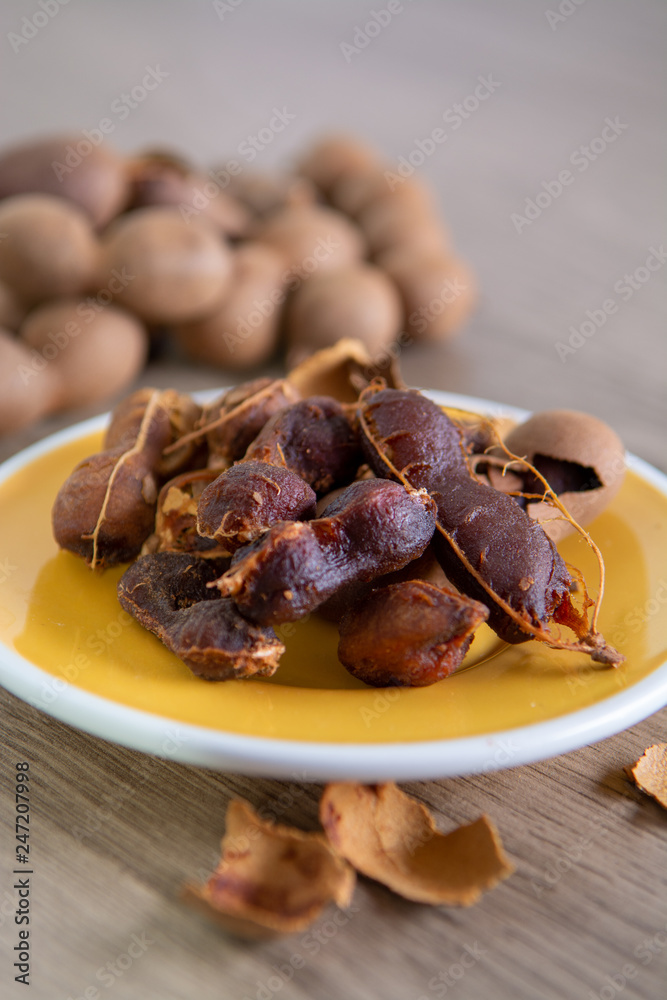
(581, 457)
(176, 516)
(392, 838)
(271, 879)
(650, 773)
(342, 371)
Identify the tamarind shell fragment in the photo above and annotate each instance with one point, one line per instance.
(167, 593)
(176, 516)
(406, 435)
(271, 879)
(244, 501)
(408, 634)
(343, 371)
(315, 438)
(372, 527)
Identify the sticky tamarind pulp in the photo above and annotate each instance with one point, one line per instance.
(234, 421)
(167, 593)
(408, 634)
(311, 443)
(105, 510)
(245, 500)
(373, 527)
(183, 413)
(425, 568)
(488, 547)
(314, 438)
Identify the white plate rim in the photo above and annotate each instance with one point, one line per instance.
(300, 760)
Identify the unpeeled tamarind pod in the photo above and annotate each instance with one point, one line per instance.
(238, 335)
(98, 184)
(358, 301)
(373, 527)
(405, 433)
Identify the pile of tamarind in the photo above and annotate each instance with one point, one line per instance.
(277, 500)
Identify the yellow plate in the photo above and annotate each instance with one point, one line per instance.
(67, 647)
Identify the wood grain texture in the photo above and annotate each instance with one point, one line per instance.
(115, 832)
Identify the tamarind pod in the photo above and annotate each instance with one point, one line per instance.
(314, 438)
(307, 444)
(183, 413)
(234, 421)
(408, 634)
(167, 593)
(372, 527)
(520, 565)
(105, 510)
(425, 567)
(245, 500)
(510, 553)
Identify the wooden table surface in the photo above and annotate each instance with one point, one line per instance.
(116, 832)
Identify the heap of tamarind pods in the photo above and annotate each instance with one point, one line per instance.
(333, 490)
(99, 251)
